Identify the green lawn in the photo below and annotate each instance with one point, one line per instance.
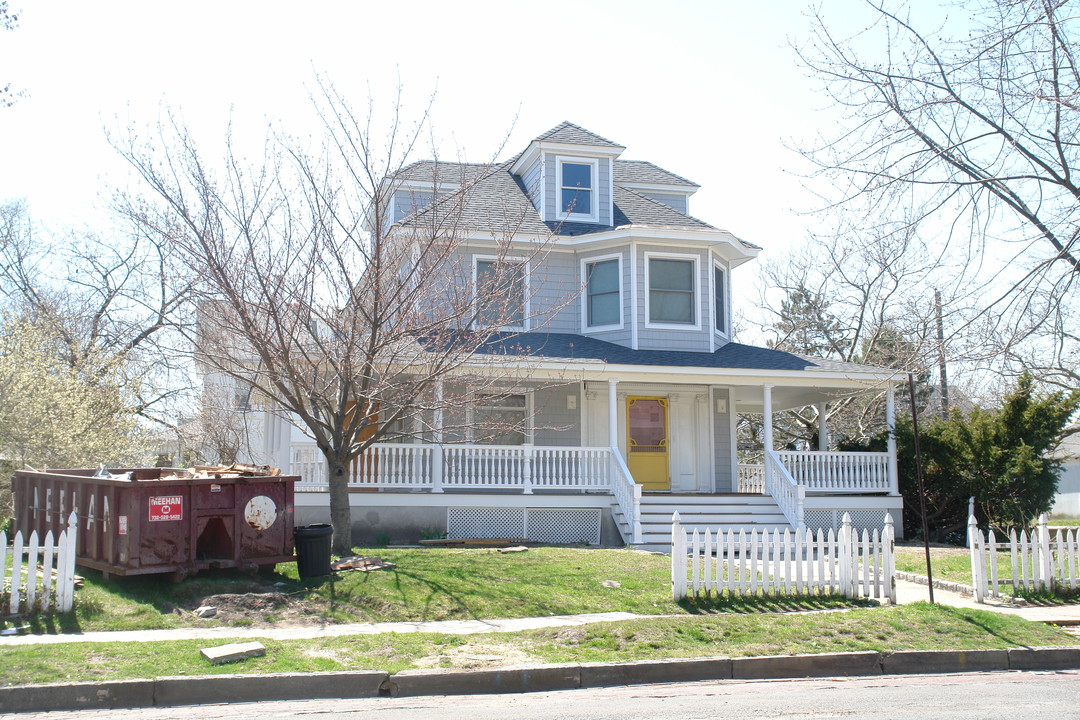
(428, 584)
(911, 627)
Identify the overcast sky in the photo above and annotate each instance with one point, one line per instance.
(709, 90)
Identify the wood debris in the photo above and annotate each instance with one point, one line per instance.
(234, 470)
(361, 563)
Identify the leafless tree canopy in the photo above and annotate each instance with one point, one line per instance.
(312, 294)
(969, 138)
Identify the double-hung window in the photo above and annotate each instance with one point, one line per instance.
(603, 304)
(500, 419)
(500, 292)
(577, 180)
(672, 294)
(719, 300)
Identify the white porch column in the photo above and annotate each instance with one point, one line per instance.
(822, 427)
(766, 410)
(890, 428)
(613, 415)
(437, 437)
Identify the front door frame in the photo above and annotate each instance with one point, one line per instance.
(651, 470)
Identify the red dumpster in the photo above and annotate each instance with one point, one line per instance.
(161, 520)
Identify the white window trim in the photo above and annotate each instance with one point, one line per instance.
(594, 203)
(696, 325)
(470, 416)
(585, 263)
(526, 310)
(726, 332)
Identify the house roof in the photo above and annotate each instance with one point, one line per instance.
(444, 172)
(571, 134)
(644, 172)
(734, 356)
(497, 202)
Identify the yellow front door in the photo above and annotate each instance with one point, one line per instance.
(647, 442)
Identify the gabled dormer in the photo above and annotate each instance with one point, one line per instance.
(569, 175)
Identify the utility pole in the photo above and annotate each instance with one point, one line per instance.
(943, 378)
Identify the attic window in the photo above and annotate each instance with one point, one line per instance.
(577, 187)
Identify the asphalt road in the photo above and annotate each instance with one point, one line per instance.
(968, 696)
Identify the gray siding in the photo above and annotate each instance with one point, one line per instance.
(674, 339)
(531, 180)
(723, 482)
(555, 286)
(553, 424)
(672, 200)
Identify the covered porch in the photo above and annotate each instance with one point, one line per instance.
(587, 439)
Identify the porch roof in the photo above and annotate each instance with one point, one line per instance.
(799, 380)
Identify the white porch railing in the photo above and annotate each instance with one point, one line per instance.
(475, 467)
(851, 472)
(751, 478)
(47, 575)
(754, 562)
(789, 495)
(627, 496)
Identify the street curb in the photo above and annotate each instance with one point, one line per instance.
(197, 690)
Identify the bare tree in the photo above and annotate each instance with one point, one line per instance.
(109, 304)
(8, 21)
(358, 321)
(969, 139)
(855, 298)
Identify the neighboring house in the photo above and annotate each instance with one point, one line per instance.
(1067, 502)
(627, 328)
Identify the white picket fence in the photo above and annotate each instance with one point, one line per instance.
(1040, 559)
(743, 561)
(41, 574)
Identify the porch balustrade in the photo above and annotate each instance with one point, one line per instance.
(473, 467)
(838, 472)
(789, 495)
(751, 478)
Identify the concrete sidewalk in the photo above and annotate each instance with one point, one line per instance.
(909, 592)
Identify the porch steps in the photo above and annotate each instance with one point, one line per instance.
(705, 511)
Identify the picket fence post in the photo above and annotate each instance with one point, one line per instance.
(845, 557)
(678, 558)
(888, 549)
(1046, 558)
(978, 565)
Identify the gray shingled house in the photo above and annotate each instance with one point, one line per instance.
(639, 385)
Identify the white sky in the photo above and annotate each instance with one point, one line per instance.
(708, 90)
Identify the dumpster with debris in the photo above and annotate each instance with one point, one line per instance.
(164, 520)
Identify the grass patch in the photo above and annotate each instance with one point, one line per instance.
(949, 563)
(428, 584)
(911, 627)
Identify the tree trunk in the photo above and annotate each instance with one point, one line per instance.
(340, 512)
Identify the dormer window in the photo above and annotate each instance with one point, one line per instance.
(577, 189)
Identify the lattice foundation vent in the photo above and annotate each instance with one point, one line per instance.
(572, 526)
(860, 519)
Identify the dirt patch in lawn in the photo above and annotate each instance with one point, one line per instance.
(477, 656)
(262, 609)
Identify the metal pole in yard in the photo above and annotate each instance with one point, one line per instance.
(922, 489)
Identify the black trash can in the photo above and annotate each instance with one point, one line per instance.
(313, 549)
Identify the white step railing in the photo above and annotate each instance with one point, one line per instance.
(841, 472)
(753, 561)
(789, 495)
(751, 478)
(47, 575)
(1039, 560)
(627, 495)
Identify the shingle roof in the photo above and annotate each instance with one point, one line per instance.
(645, 173)
(446, 172)
(568, 132)
(735, 356)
